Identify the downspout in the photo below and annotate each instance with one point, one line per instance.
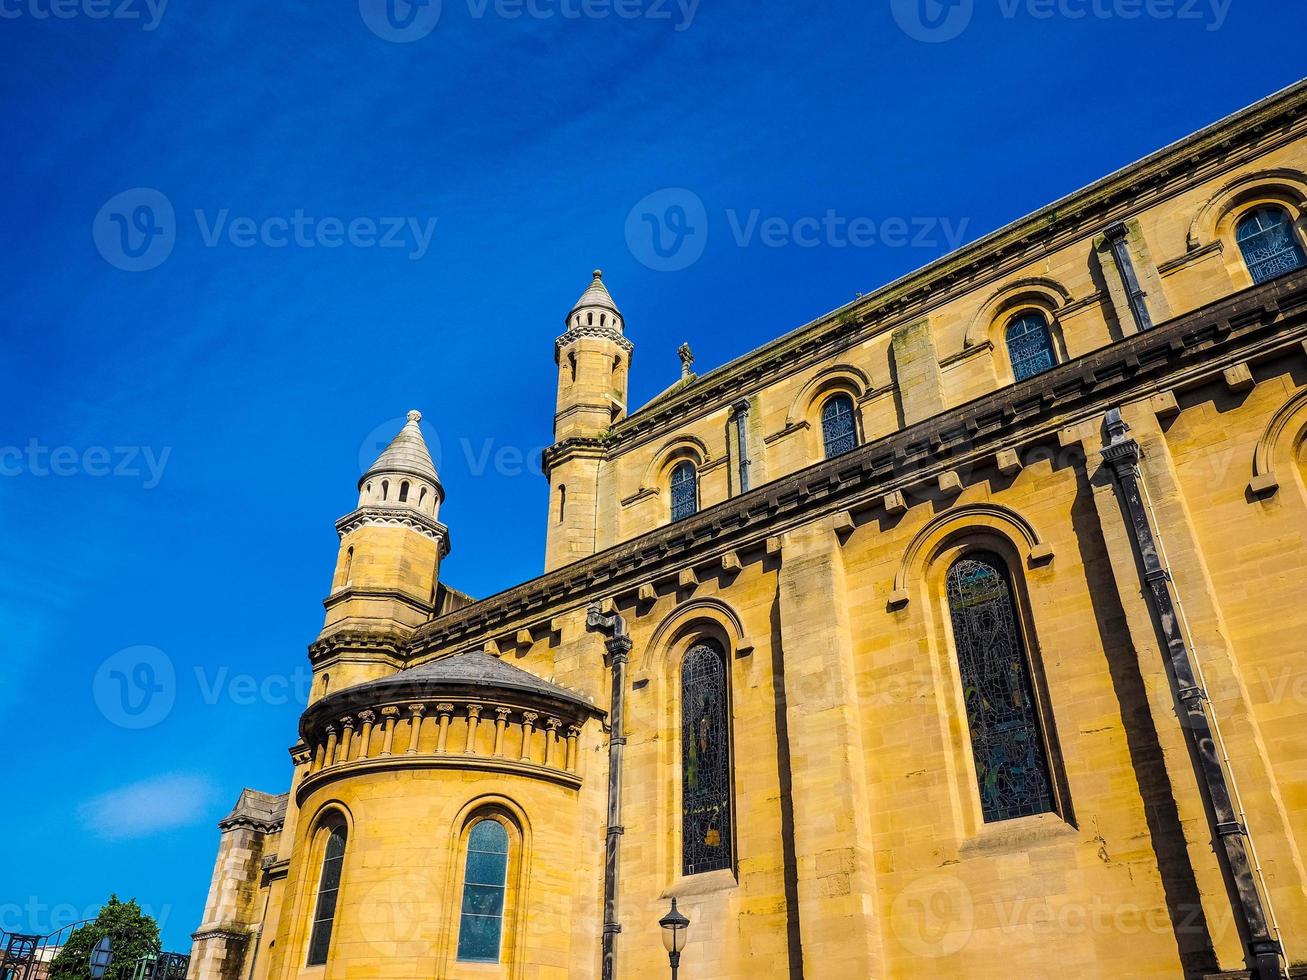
(1264, 951)
(1116, 238)
(618, 645)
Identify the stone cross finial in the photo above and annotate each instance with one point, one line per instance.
(687, 360)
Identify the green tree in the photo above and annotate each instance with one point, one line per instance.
(133, 934)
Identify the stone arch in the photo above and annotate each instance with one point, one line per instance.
(709, 615)
(508, 812)
(682, 447)
(1037, 292)
(837, 377)
(806, 408)
(312, 844)
(988, 518)
(1279, 443)
(1211, 221)
(673, 638)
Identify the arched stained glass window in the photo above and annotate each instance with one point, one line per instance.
(1269, 245)
(685, 490)
(481, 922)
(1029, 345)
(838, 429)
(324, 913)
(1006, 739)
(705, 761)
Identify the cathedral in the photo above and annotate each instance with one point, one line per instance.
(958, 633)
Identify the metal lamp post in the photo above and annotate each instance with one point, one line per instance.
(675, 926)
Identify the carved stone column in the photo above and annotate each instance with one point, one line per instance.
(414, 726)
(329, 754)
(551, 739)
(573, 733)
(368, 718)
(444, 709)
(528, 721)
(501, 721)
(473, 717)
(391, 715)
(347, 738)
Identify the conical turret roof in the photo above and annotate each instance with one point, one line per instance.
(596, 295)
(407, 453)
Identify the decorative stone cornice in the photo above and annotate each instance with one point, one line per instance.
(579, 447)
(414, 520)
(1183, 352)
(388, 643)
(1218, 149)
(609, 334)
(231, 935)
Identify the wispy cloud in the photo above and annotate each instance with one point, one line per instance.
(146, 807)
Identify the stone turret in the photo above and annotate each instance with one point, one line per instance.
(388, 566)
(594, 362)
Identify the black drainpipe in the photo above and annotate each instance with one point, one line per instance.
(1122, 455)
(1116, 237)
(618, 645)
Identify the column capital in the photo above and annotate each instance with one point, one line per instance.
(417, 709)
(503, 713)
(347, 722)
(445, 708)
(367, 717)
(390, 711)
(474, 710)
(553, 724)
(530, 717)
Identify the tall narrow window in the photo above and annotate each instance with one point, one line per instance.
(562, 503)
(403, 492)
(685, 491)
(1029, 345)
(1006, 739)
(481, 923)
(324, 914)
(838, 430)
(705, 761)
(1269, 245)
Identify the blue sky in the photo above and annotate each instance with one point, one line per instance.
(178, 441)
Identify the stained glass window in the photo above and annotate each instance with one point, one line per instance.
(705, 761)
(324, 915)
(1269, 244)
(481, 923)
(838, 429)
(685, 491)
(1007, 742)
(1029, 345)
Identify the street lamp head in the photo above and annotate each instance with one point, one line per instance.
(675, 927)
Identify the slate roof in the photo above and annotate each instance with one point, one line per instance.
(407, 453)
(265, 810)
(473, 670)
(596, 295)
